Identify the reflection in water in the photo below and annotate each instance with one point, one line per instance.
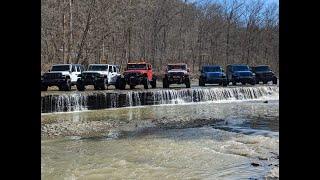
(135, 146)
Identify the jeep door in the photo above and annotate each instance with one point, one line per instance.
(74, 73)
(112, 74)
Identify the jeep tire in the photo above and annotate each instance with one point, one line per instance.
(187, 82)
(225, 83)
(275, 81)
(44, 88)
(132, 86)
(66, 86)
(80, 86)
(96, 87)
(253, 82)
(146, 83)
(103, 84)
(201, 83)
(154, 82)
(234, 83)
(120, 83)
(165, 83)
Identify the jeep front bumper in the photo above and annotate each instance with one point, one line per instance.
(53, 82)
(244, 79)
(216, 80)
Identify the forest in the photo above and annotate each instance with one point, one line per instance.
(160, 32)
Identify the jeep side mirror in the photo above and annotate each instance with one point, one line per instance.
(222, 70)
(49, 70)
(188, 70)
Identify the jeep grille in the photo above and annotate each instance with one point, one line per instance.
(53, 76)
(176, 74)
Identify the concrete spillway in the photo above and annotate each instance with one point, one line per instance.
(89, 100)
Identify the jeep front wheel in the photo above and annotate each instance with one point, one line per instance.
(80, 87)
(44, 88)
(187, 83)
(146, 83)
(153, 82)
(120, 83)
(165, 83)
(96, 87)
(66, 86)
(103, 84)
(201, 83)
(225, 83)
(275, 81)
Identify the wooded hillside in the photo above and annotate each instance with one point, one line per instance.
(159, 31)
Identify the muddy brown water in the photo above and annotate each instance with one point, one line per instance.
(185, 141)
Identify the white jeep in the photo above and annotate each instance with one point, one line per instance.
(176, 74)
(99, 75)
(62, 75)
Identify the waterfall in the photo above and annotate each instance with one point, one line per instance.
(77, 101)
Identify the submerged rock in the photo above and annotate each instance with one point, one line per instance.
(255, 164)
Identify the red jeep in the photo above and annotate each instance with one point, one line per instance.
(137, 74)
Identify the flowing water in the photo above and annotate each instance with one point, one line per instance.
(203, 140)
(89, 100)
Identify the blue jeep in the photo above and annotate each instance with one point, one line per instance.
(240, 73)
(264, 74)
(212, 75)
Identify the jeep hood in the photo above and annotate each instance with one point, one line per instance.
(214, 74)
(263, 72)
(57, 72)
(136, 71)
(243, 73)
(99, 72)
(177, 70)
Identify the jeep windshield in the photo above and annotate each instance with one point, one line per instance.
(261, 68)
(177, 66)
(137, 66)
(212, 69)
(97, 68)
(61, 68)
(240, 68)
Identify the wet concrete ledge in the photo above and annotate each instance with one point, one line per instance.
(91, 100)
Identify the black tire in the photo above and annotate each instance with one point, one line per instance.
(257, 82)
(234, 83)
(165, 83)
(201, 83)
(61, 88)
(103, 84)
(120, 84)
(67, 85)
(96, 87)
(154, 82)
(132, 86)
(146, 83)
(187, 83)
(275, 81)
(44, 88)
(225, 83)
(80, 87)
(253, 82)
